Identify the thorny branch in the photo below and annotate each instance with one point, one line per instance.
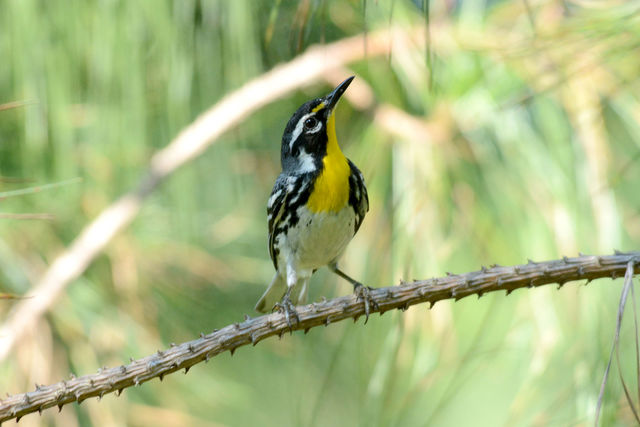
(252, 331)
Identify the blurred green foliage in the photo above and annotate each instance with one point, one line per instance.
(537, 155)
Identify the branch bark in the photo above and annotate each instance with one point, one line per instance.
(190, 143)
(252, 331)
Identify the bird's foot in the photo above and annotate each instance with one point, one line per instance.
(286, 307)
(364, 293)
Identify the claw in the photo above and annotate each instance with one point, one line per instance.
(287, 308)
(364, 293)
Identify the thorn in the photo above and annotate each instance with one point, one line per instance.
(60, 407)
(91, 382)
(382, 312)
(38, 387)
(453, 293)
(530, 285)
(565, 259)
(160, 377)
(254, 341)
(202, 335)
(160, 354)
(136, 381)
(323, 299)
(118, 392)
(40, 410)
(187, 369)
(530, 261)
(614, 275)
(449, 273)
(131, 360)
(236, 326)
(306, 330)
(588, 281)
(422, 292)
(72, 376)
(484, 269)
(233, 350)
(207, 357)
(123, 369)
(480, 295)
(190, 347)
(247, 317)
(172, 344)
(509, 291)
(432, 304)
(215, 330)
(327, 321)
(18, 418)
(26, 398)
(100, 395)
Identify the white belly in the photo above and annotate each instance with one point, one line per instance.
(318, 239)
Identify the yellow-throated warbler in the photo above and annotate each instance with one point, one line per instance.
(316, 206)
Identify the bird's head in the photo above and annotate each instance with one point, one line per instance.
(310, 131)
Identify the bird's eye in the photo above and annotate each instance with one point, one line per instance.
(310, 123)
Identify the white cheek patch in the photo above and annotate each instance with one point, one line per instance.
(306, 162)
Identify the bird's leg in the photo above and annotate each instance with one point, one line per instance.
(362, 292)
(285, 306)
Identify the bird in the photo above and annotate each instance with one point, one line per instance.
(317, 205)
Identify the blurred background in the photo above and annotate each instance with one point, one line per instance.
(513, 133)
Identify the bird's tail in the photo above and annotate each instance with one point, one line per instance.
(276, 291)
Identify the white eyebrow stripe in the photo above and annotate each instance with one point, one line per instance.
(298, 130)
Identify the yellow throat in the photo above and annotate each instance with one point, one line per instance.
(331, 189)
